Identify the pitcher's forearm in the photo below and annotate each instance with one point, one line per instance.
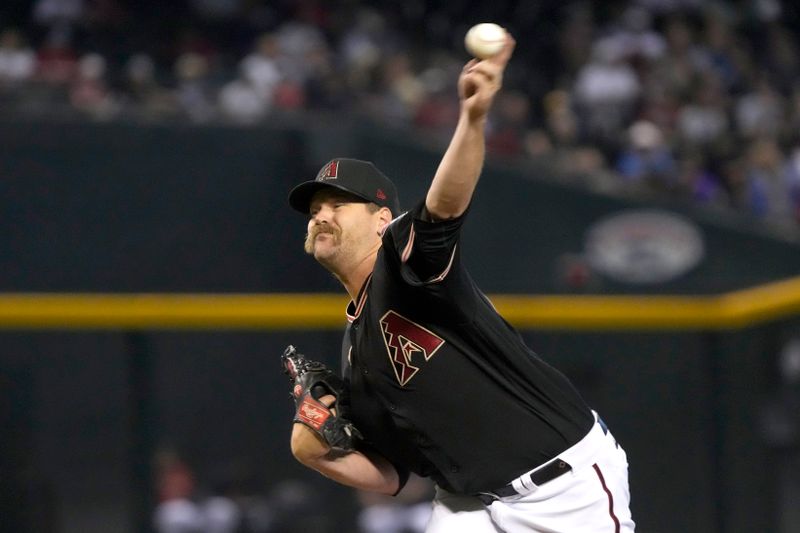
(356, 469)
(457, 176)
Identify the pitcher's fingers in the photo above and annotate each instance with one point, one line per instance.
(505, 54)
(486, 70)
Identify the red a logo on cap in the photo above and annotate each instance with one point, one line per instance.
(329, 172)
(380, 195)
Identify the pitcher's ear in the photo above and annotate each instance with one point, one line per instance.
(385, 217)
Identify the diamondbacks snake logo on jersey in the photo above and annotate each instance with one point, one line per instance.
(403, 338)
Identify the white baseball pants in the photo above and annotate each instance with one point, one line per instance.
(591, 498)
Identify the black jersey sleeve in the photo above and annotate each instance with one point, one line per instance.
(427, 250)
(344, 406)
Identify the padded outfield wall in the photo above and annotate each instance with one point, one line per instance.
(174, 209)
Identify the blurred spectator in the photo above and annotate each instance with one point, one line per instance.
(400, 92)
(176, 512)
(559, 144)
(237, 497)
(591, 165)
(790, 122)
(575, 40)
(635, 37)
(438, 110)
(234, 500)
(362, 47)
(297, 508)
(296, 39)
(17, 60)
(89, 92)
(791, 173)
(193, 40)
(720, 51)
(408, 512)
(57, 60)
(766, 191)
(240, 102)
(606, 93)
(760, 112)
(304, 48)
(699, 183)
(194, 91)
(142, 95)
(779, 428)
(677, 70)
(229, 505)
(324, 87)
(508, 124)
(55, 11)
(661, 107)
(781, 58)
(561, 121)
(648, 161)
(269, 71)
(60, 16)
(220, 515)
(260, 68)
(703, 121)
(537, 144)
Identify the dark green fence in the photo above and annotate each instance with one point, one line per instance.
(129, 208)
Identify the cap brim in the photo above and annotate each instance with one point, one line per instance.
(300, 197)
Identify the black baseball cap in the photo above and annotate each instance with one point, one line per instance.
(357, 177)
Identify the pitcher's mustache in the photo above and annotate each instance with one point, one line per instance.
(322, 228)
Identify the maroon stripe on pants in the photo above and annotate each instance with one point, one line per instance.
(610, 498)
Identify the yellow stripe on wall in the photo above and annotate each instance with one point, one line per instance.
(610, 312)
(323, 311)
(167, 311)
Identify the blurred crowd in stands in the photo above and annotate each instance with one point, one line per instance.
(687, 99)
(234, 500)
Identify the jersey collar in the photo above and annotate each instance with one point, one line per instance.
(354, 309)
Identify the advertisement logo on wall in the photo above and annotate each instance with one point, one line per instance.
(644, 246)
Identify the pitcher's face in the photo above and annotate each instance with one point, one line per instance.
(340, 226)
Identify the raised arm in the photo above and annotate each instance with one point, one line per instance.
(455, 180)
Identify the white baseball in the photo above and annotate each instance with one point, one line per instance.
(485, 40)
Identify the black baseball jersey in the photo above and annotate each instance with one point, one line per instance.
(439, 383)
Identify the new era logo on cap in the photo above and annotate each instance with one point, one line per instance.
(357, 177)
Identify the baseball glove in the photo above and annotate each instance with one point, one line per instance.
(311, 380)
